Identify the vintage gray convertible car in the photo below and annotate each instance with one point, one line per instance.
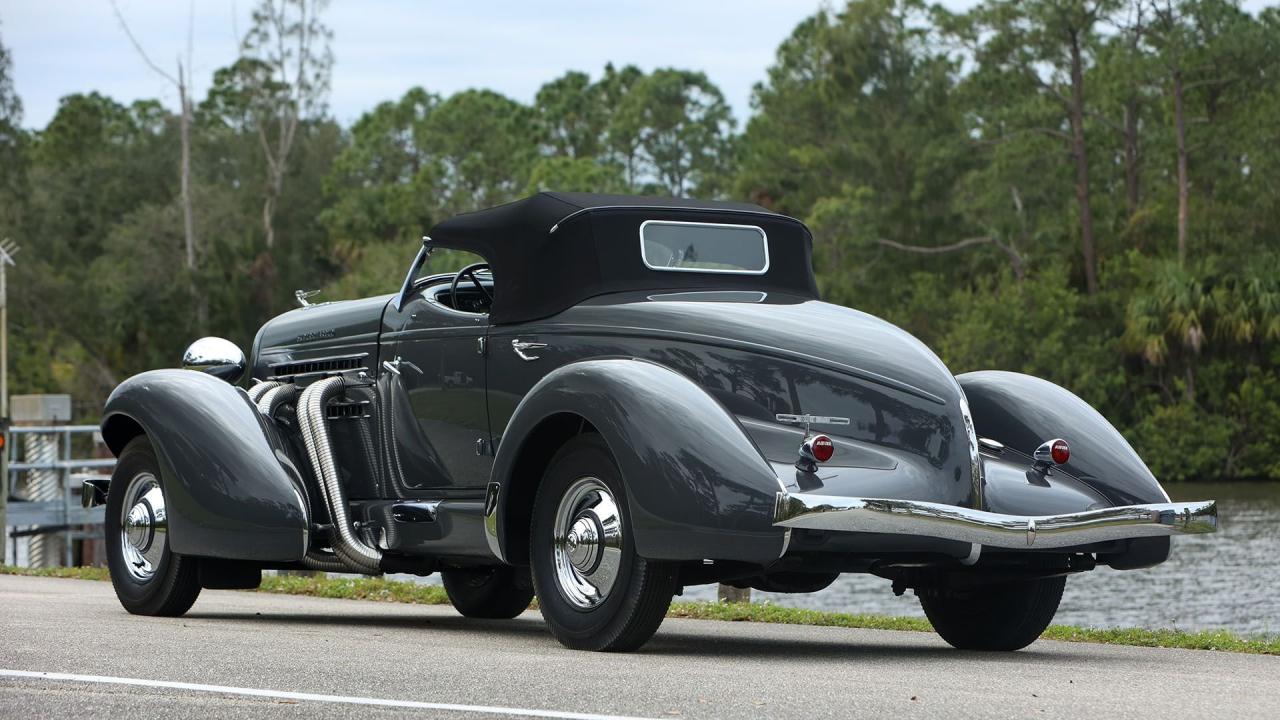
(631, 396)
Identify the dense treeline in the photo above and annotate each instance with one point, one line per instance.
(1085, 191)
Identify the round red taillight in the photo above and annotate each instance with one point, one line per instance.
(823, 448)
(1061, 451)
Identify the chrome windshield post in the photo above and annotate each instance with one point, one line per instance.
(423, 253)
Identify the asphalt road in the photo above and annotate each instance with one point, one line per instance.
(239, 654)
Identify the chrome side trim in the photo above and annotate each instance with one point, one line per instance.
(951, 522)
(491, 519)
(523, 348)
(975, 462)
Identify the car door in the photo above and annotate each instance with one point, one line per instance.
(432, 385)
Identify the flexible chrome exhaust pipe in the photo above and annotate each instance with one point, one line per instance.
(273, 398)
(324, 562)
(257, 391)
(268, 403)
(347, 548)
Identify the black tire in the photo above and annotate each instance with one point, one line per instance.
(636, 603)
(174, 581)
(1008, 616)
(500, 592)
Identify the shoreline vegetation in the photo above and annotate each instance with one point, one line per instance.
(381, 590)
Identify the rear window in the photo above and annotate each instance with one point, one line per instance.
(704, 247)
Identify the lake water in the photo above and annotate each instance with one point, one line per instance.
(1229, 579)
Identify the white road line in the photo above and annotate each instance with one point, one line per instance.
(312, 697)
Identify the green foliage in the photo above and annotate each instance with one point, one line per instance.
(12, 146)
(380, 185)
(681, 124)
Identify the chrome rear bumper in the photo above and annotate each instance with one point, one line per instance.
(950, 522)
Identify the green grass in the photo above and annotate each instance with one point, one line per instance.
(76, 573)
(355, 589)
(382, 590)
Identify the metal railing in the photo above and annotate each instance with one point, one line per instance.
(61, 514)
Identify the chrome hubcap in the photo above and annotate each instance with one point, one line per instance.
(144, 526)
(587, 543)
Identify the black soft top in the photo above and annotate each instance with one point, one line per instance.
(553, 250)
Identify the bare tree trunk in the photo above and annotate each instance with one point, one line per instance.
(188, 203)
(188, 215)
(1016, 262)
(276, 164)
(1079, 151)
(185, 117)
(1132, 191)
(268, 218)
(1180, 130)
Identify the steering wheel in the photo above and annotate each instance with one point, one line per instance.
(468, 272)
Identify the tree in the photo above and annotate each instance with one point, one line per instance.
(858, 130)
(285, 78)
(1043, 49)
(96, 162)
(420, 159)
(1122, 79)
(1204, 46)
(12, 142)
(381, 185)
(572, 116)
(682, 124)
(481, 147)
(622, 134)
(181, 81)
(567, 174)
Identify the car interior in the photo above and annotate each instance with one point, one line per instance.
(470, 290)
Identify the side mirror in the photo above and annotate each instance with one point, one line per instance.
(215, 356)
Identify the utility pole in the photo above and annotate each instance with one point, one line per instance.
(8, 249)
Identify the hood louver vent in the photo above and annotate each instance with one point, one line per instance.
(318, 365)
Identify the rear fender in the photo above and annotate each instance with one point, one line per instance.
(231, 490)
(1021, 412)
(697, 486)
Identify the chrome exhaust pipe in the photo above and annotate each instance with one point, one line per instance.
(268, 403)
(273, 398)
(347, 548)
(257, 391)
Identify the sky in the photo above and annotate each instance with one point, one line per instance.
(384, 48)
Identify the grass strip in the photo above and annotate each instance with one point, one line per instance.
(379, 589)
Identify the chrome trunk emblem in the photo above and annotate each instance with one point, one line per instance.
(808, 420)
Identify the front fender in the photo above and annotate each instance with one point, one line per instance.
(230, 492)
(697, 486)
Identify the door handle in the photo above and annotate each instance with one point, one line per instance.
(393, 366)
(522, 347)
